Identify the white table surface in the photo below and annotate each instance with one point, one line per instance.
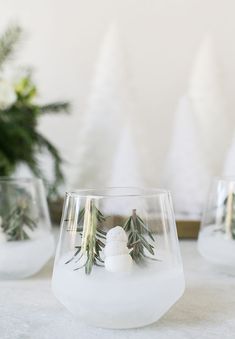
(28, 309)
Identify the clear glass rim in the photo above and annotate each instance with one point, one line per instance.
(225, 178)
(19, 179)
(94, 192)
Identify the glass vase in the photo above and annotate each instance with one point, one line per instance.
(216, 240)
(118, 263)
(26, 242)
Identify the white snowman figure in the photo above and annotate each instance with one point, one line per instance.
(117, 257)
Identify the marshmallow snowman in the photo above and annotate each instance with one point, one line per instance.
(117, 257)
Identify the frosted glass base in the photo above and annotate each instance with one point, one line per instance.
(216, 248)
(118, 300)
(21, 259)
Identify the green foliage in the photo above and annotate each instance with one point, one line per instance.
(137, 241)
(8, 43)
(140, 238)
(20, 140)
(225, 211)
(15, 223)
(92, 238)
(17, 219)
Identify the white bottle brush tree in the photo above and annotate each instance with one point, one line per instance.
(207, 99)
(125, 170)
(126, 164)
(108, 105)
(186, 172)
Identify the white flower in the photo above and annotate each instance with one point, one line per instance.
(7, 94)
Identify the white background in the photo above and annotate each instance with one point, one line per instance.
(160, 39)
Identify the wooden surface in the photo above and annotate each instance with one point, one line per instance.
(187, 229)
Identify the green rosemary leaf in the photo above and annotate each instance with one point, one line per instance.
(99, 259)
(133, 226)
(151, 236)
(29, 222)
(146, 228)
(151, 258)
(81, 215)
(126, 226)
(100, 243)
(100, 235)
(101, 231)
(79, 258)
(75, 254)
(99, 265)
(80, 267)
(134, 243)
(146, 245)
(130, 240)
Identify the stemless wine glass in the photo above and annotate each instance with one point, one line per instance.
(118, 263)
(216, 241)
(26, 242)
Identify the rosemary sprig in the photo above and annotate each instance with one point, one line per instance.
(92, 237)
(14, 223)
(8, 42)
(137, 241)
(229, 219)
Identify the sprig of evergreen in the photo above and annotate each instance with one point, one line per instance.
(137, 241)
(14, 224)
(8, 42)
(92, 238)
(55, 107)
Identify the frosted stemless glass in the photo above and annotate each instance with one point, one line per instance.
(118, 263)
(26, 242)
(216, 241)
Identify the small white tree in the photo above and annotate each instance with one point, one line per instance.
(126, 172)
(126, 165)
(205, 92)
(186, 174)
(108, 105)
